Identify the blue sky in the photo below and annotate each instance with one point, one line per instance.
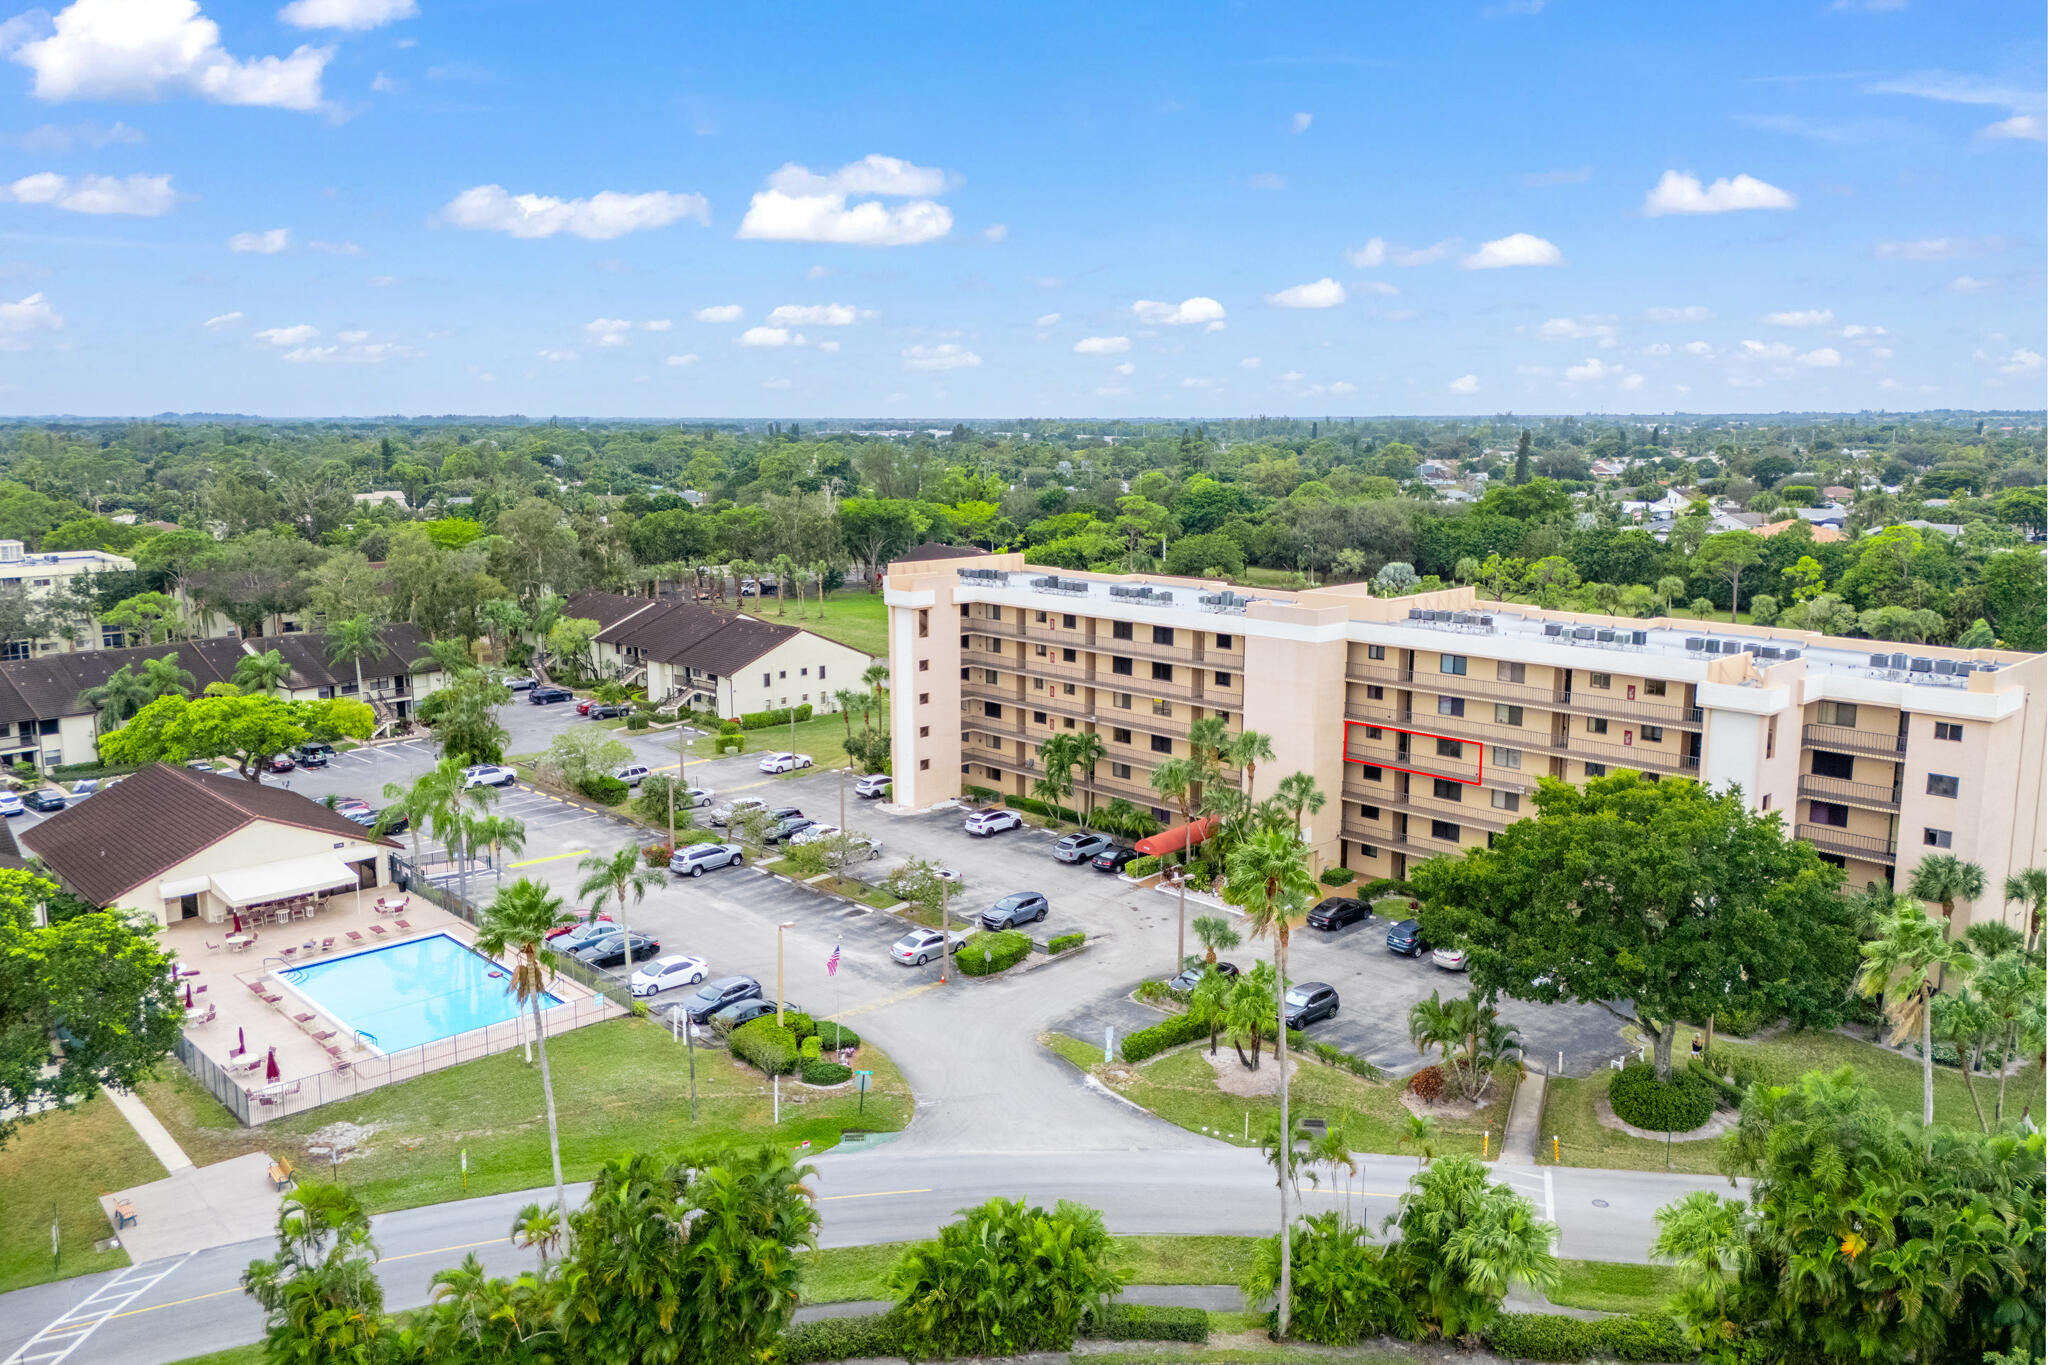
(422, 206)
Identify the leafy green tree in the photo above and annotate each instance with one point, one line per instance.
(1004, 1279)
(568, 641)
(1677, 898)
(320, 1297)
(262, 673)
(2030, 889)
(1904, 964)
(480, 1320)
(422, 801)
(352, 639)
(1464, 1242)
(464, 715)
(117, 699)
(1727, 556)
(1962, 1021)
(515, 926)
(251, 730)
(147, 618)
(2014, 992)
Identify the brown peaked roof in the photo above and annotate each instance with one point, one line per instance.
(150, 822)
(934, 550)
(10, 853)
(50, 687)
(608, 609)
(691, 635)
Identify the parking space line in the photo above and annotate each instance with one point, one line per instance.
(551, 858)
(888, 1000)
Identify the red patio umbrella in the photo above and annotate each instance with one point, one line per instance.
(188, 995)
(241, 1045)
(238, 920)
(270, 1072)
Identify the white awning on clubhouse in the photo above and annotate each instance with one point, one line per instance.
(275, 881)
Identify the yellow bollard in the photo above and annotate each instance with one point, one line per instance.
(1486, 1145)
(1556, 1153)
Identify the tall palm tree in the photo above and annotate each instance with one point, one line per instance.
(2012, 988)
(846, 699)
(1902, 964)
(1246, 751)
(2030, 889)
(1210, 1003)
(1442, 1024)
(164, 678)
(265, 672)
(1049, 790)
(1945, 879)
(1419, 1132)
(1087, 751)
(1179, 780)
(1056, 761)
(501, 834)
(617, 875)
(1216, 934)
(785, 573)
(353, 640)
(428, 798)
(1300, 797)
(540, 1230)
(515, 925)
(117, 699)
(1267, 877)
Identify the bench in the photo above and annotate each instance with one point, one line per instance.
(281, 1174)
(124, 1214)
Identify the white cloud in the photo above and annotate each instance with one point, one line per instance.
(872, 174)
(996, 232)
(351, 15)
(1425, 255)
(1127, 369)
(1592, 327)
(353, 336)
(1267, 180)
(817, 272)
(1291, 377)
(1800, 317)
(334, 248)
(1102, 345)
(143, 196)
(1971, 284)
(601, 217)
(1380, 287)
(1681, 192)
(1302, 121)
(1926, 249)
(1250, 362)
(1518, 248)
(2024, 127)
(2021, 361)
(1767, 350)
(656, 325)
(1323, 293)
(2022, 103)
(150, 49)
(607, 332)
(1465, 383)
(1047, 320)
(1631, 382)
(768, 336)
(50, 138)
(829, 347)
(382, 84)
(946, 355)
(1689, 313)
(267, 243)
(720, 312)
(1592, 369)
(1658, 348)
(1822, 358)
(1373, 253)
(288, 336)
(220, 320)
(1856, 330)
(775, 383)
(813, 315)
(1343, 386)
(23, 316)
(556, 357)
(1199, 309)
(358, 353)
(681, 361)
(1698, 348)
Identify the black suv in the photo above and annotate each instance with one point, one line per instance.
(715, 994)
(610, 950)
(1336, 912)
(1406, 938)
(542, 696)
(1309, 1001)
(1019, 907)
(611, 710)
(1115, 860)
(795, 824)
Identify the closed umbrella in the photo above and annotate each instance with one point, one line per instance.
(238, 920)
(241, 1044)
(270, 1072)
(188, 995)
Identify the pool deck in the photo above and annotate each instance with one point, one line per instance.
(307, 1075)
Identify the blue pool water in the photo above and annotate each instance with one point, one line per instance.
(409, 993)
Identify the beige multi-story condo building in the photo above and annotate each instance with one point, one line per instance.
(1428, 720)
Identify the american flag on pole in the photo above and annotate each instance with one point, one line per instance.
(832, 962)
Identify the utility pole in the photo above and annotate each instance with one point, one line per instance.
(788, 924)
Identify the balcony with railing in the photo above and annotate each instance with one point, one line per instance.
(1592, 701)
(1875, 742)
(1834, 839)
(1868, 794)
(1646, 757)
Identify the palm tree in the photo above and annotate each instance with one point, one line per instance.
(1670, 588)
(1702, 1234)
(1216, 934)
(118, 698)
(2030, 889)
(617, 875)
(265, 672)
(452, 657)
(546, 612)
(429, 797)
(354, 640)
(1267, 877)
(1420, 1133)
(540, 1230)
(1902, 964)
(1247, 750)
(1055, 760)
(515, 924)
(501, 834)
(1442, 1024)
(785, 571)
(1945, 879)
(875, 677)
(1086, 751)
(846, 698)
(1179, 780)
(2011, 987)
(1210, 1002)
(164, 678)
(1300, 797)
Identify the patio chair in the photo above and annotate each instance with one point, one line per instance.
(354, 938)
(402, 926)
(327, 945)
(302, 1019)
(265, 1099)
(320, 1035)
(211, 946)
(193, 1020)
(332, 1050)
(199, 989)
(288, 952)
(341, 1066)
(255, 986)
(378, 930)
(124, 1214)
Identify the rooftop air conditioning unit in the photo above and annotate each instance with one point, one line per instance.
(1694, 643)
(1713, 646)
(1582, 632)
(1415, 613)
(1900, 662)
(1604, 635)
(1639, 637)
(1945, 666)
(1792, 653)
(1768, 652)
(1921, 665)
(1553, 628)
(1880, 661)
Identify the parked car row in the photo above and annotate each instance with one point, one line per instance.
(1403, 937)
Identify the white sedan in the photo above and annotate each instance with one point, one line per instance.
(489, 775)
(697, 796)
(677, 969)
(814, 834)
(784, 762)
(1450, 959)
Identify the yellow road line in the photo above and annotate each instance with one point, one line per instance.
(874, 1194)
(175, 1303)
(551, 858)
(888, 999)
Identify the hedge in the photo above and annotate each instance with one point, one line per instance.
(799, 1024)
(1150, 1042)
(1005, 949)
(604, 789)
(851, 1338)
(1030, 805)
(1066, 941)
(1146, 1322)
(1552, 1336)
(1338, 876)
(820, 1072)
(637, 721)
(1141, 867)
(1387, 886)
(1332, 1056)
(769, 1048)
(1675, 1106)
(836, 1037)
(761, 720)
(809, 1049)
(64, 772)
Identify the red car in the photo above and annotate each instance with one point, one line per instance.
(583, 707)
(282, 764)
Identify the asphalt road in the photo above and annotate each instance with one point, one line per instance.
(890, 1194)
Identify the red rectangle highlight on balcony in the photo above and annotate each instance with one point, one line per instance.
(1418, 772)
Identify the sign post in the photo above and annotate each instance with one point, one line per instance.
(861, 1080)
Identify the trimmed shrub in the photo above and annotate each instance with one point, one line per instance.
(658, 854)
(835, 1037)
(637, 721)
(1004, 1279)
(1150, 1042)
(853, 1338)
(1066, 941)
(1427, 1084)
(809, 1049)
(1338, 876)
(1385, 886)
(798, 1023)
(1553, 1336)
(1675, 1106)
(1141, 867)
(1156, 992)
(1643, 1336)
(1332, 1056)
(769, 1048)
(1145, 1322)
(1030, 805)
(818, 1071)
(761, 720)
(986, 954)
(604, 789)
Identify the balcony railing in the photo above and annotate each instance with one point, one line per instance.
(1589, 701)
(1854, 741)
(1640, 756)
(1850, 793)
(1834, 839)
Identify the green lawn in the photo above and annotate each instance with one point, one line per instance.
(252, 1354)
(844, 1274)
(853, 616)
(822, 737)
(1611, 1287)
(59, 1165)
(619, 1086)
(1568, 1110)
(1181, 1088)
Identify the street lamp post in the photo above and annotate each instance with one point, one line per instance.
(788, 924)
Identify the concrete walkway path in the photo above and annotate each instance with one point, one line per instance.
(1525, 1123)
(151, 1130)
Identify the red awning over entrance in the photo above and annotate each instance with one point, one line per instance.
(1177, 838)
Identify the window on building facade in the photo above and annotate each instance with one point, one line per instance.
(1653, 687)
(1596, 770)
(1120, 770)
(1512, 673)
(1504, 714)
(1069, 690)
(1947, 729)
(1446, 790)
(1121, 667)
(1038, 717)
(1596, 725)
(1119, 630)
(1162, 635)
(1939, 784)
(1040, 650)
(1937, 838)
(1507, 800)
(924, 623)
(1225, 680)
(1837, 713)
(1375, 651)
(1372, 772)
(1506, 758)
(1450, 706)
(1068, 656)
(1162, 672)
(1369, 812)
(1368, 851)
(767, 681)
(1451, 663)
(1603, 681)
(1161, 744)
(1120, 735)
(1374, 692)
(924, 665)
(1444, 830)
(1374, 732)
(1120, 700)
(1225, 641)
(924, 765)
(1067, 621)
(1653, 734)
(1161, 708)
(1449, 748)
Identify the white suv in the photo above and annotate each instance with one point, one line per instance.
(873, 785)
(784, 762)
(987, 822)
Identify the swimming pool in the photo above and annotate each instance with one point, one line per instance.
(404, 994)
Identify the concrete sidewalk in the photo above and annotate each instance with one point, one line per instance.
(1519, 1140)
(199, 1207)
(151, 1130)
